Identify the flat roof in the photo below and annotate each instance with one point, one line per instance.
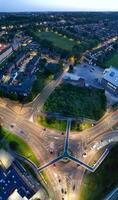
(12, 179)
(5, 159)
(111, 75)
(71, 76)
(16, 196)
(5, 49)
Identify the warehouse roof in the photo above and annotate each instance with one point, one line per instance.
(111, 75)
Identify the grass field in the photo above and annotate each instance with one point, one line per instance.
(16, 144)
(78, 102)
(112, 61)
(60, 125)
(52, 123)
(98, 184)
(80, 126)
(57, 40)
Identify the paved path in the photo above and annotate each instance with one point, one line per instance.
(113, 195)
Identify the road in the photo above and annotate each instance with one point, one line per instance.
(65, 177)
(36, 105)
(41, 141)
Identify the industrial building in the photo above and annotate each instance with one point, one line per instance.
(15, 182)
(110, 80)
(74, 79)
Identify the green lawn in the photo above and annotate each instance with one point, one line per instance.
(52, 123)
(113, 60)
(16, 144)
(98, 184)
(77, 102)
(60, 125)
(57, 40)
(80, 126)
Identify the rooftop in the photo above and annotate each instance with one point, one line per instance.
(5, 49)
(111, 75)
(71, 76)
(16, 196)
(5, 159)
(14, 182)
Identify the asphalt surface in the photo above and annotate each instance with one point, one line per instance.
(40, 141)
(67, 176)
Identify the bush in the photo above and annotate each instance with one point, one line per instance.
(13, 145)
(77, 102)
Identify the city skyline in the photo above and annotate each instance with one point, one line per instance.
(51, 5)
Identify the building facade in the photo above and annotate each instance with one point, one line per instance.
(110, 80)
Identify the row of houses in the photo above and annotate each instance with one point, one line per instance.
(18, 76)
(19, 41)
(100, 52)
(6, 53)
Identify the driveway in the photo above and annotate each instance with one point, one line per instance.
(91, 74)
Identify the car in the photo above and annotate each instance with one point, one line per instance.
(12, 125)
(22, 132)
(84, 155)
(62, 190)
(51, 152)
(111, 140)
(93, 147)
(73, 187)
(93, 124)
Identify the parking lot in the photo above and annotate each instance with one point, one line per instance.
(12, 179)
(91, 74)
